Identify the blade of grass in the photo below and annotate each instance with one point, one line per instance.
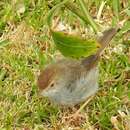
(100, 9)
(72, 7)
(116, 5)
(4, 43)
(86, 13)
(52, 11)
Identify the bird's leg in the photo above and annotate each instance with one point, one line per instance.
(77, 114)
(83, 106)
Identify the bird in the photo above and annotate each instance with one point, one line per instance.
(69, 82)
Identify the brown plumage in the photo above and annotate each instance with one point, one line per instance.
(45, 77)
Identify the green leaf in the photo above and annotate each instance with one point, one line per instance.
(74, 46)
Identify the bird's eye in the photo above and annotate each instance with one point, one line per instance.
(52, 85)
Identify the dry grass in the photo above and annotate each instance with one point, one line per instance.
(28, 50)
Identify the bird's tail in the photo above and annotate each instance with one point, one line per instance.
(104, 41)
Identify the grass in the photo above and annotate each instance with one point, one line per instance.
(29, 49)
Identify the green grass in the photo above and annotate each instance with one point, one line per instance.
(29, 49)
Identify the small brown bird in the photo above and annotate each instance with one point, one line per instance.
(69, 82)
